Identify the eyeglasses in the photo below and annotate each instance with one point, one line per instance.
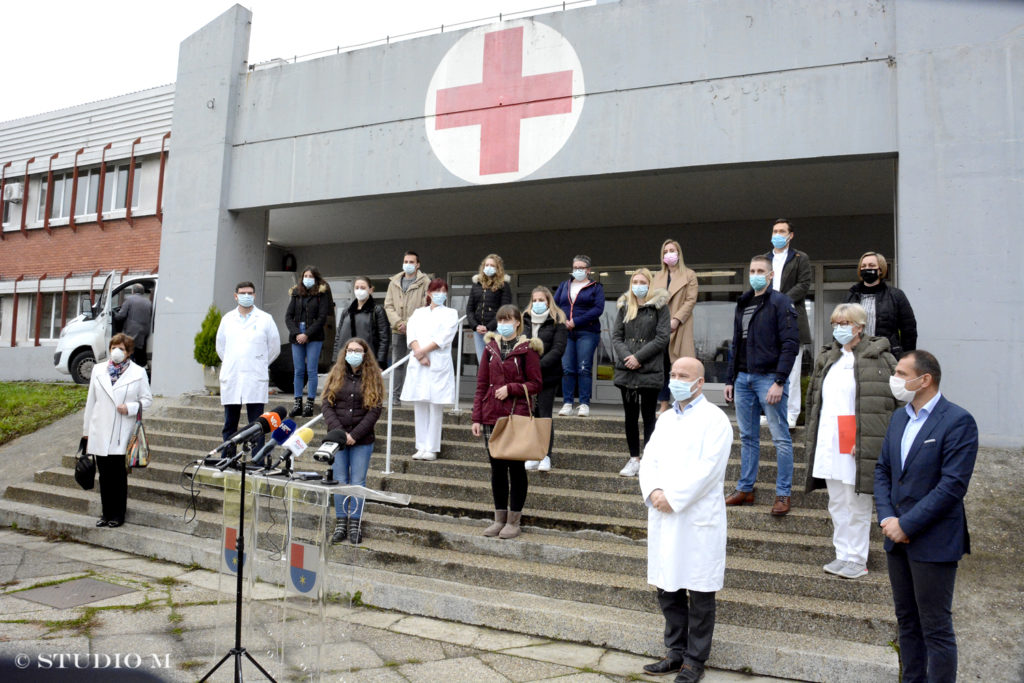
(837, 323)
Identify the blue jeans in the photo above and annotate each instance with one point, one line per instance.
(478, 341)
(750, 391)
(305, 358)
(578, 366)
(350, 466)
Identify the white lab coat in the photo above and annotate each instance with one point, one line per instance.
(435, 382)
(108, 430)
(246, 346)
(686, 458)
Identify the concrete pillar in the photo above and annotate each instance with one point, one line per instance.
(205, 249)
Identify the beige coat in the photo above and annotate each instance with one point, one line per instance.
(682, 298)
(400, 305)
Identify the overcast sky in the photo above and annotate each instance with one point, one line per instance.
(62, 53)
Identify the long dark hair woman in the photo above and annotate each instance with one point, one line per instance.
(118, 392)
(366, 319)
(545, 321)
(306, 318)
(352, 401)
(509, 370)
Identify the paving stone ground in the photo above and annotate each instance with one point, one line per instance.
(174, 623)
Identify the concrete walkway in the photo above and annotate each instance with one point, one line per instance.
(172, 622)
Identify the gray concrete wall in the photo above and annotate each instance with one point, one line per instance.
(32, 363)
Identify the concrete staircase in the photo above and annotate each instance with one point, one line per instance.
(577, 573)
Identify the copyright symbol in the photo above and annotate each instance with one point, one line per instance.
(22, 661)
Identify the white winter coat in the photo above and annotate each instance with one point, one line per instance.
(108, 431)
(435, 382)
(686, 458)
(246, 348)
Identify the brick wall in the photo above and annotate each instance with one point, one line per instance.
(114, 247)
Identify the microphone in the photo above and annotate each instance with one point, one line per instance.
(264, 423)
(277, 438)
(295, 445)
(330, 445)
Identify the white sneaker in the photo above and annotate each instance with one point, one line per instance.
(531, 465)
(792, 423)
(418, 455)
(835, 566)
(566, 410)
(545, 464)
(584, 410)
(852, 570)
(631, 469)
(428, 455)
(764, 420)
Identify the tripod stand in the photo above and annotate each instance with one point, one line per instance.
(238, 651)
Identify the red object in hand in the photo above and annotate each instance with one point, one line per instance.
(847, 433)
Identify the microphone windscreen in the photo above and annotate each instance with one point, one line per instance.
(281, 411)
(306, 434)
(335, 435)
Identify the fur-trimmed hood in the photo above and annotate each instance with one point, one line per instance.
(535, 343)
(476, 279)
(294, 291)
(656, 298)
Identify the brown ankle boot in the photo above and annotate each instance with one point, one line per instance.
(511, 528)
(500, 516)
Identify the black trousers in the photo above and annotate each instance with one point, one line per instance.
(233, 411)
(113, 486)
(508, 479)
(923, 595)
(139, 354)
(689, 624)
(639, 403)
(543, 406)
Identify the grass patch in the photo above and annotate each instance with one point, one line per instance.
(27, 406)
(168, 581)
(190, 664)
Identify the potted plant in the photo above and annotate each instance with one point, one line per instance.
(205, 351)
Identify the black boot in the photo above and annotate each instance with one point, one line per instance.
(355, 532)
(308, 410)
(297, 408)
(340, 530)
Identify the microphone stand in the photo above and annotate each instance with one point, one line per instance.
(238, 651)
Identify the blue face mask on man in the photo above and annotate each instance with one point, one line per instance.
(246, 300)
(681, 390)
(779, 241)
(758, 282)
(506, 329)
(409, 268)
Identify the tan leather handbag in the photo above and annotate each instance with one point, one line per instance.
(520, 437)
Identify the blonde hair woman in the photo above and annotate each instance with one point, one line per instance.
(681, 284)
(888, 309)
(491, 290)
(639, 337)
(545, 321)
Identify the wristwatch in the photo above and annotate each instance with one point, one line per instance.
(780, 382)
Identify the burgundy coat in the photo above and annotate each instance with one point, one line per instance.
(521, 368)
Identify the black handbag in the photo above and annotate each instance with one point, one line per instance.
(85, 468)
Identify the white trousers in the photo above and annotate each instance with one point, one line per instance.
(793, 409)
(851, 521)
(428, 425)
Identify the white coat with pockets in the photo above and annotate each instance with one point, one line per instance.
(686, 458)
(108, 431)
(246, 346)
(435, 382)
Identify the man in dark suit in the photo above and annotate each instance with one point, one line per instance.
(921, 478)
(793, 278)
(136, 317)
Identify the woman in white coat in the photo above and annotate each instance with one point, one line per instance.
(430, 379)
(118, 392)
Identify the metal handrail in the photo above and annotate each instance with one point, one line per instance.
(390, 372)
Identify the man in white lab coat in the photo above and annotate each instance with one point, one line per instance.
(247, 343)
(682, 476)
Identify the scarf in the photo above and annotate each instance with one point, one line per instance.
(537, 321)
(117, 369)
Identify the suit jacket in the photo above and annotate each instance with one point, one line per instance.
(795, 281)
(135, 315)
(927, 493)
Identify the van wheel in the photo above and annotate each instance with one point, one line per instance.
(81, 366)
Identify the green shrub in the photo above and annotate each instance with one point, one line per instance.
(206, 340)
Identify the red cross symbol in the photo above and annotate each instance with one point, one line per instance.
(503, 99)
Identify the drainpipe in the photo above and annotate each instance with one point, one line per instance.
(39, 304)
(48, 209)
(74, 194)
(103, 182)
(160, 183)
(3, 184)
(14, 316)
(131, 182)
(24, 200)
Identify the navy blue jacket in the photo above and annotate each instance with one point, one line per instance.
(773, 338)
(927, 493)
(586, 311)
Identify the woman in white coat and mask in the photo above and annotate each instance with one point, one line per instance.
(430, 379)
(118, 392)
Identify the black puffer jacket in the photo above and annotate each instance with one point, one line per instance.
(646, 337)
(370, 324)
(894, 318)
(311, 309)
(553, 337)
(348, 411)
(483, 304)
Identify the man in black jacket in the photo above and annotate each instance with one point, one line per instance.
(764, 345)
(793, 278)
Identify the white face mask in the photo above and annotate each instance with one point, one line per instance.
(362, 294)
(117, 355)
(898, 386)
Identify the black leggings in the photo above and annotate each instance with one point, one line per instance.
(637, 403)
(508, 479)
(113, 486)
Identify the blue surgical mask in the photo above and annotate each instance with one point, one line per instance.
(778, 241)
(843, 334)
(353, 358)
(758, 282)
(680, 389)
(246, 300)
(409, 268)
(506, 329)
(640, 291)
(439, 298)
(579, 275)
(308, 282)
(539, 308)
(489, 271)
